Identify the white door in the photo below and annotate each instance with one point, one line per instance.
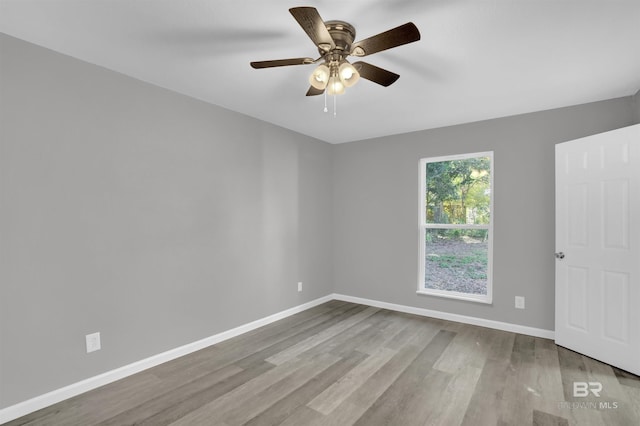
(598, 233)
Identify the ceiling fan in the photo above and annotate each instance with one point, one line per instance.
(334, 40)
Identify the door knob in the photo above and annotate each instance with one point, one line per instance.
(560, 255)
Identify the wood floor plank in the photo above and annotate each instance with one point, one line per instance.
(626, 379)
(572, 369)
(391, 327)
(328, 400)
(288, 340)
(455, 397)
(520, 387)
(347, 413)
(347, 341)
(548, 398)
(547, 366)
(487, 393)
(263, 400)
(418, 330)
(632, 401)
(552, 386)
(575, 415)
(306, 416)
(215, 409)
(427, 400)
(261, 348)
(465, 350)
(186, 397)
(285, 407)
(501, 344)
(414, 408)
(612, 394)
(409, 387)
(312, 341)
(540, 418)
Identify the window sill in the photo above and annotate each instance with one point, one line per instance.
(458, 296)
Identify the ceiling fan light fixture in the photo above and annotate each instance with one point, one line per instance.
(348, 74)
(335, 86)
(320, 77)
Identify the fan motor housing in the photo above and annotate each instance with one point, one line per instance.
(343, 34)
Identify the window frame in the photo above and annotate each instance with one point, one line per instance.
(423, 226)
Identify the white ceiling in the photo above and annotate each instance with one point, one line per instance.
(478, 59)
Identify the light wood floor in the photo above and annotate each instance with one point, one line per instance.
(346, 364)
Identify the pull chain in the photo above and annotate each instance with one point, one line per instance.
(335, 104)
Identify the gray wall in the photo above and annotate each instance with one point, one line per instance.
(376, 208)
(151, 217)
(636, 105)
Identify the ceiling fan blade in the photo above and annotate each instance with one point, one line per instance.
(314, 92)
(404, 34)
(282, 62)
(311, 22)
(377, 75)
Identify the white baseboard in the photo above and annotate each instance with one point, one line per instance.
(29, 406)
(498, 325)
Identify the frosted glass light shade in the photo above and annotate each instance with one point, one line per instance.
(319, 77)
(335, 86)
(348, 74)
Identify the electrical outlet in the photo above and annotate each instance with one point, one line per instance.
(520, 302)
(300, 286)
(93, 342)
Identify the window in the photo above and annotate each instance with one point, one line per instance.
(456, 200)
